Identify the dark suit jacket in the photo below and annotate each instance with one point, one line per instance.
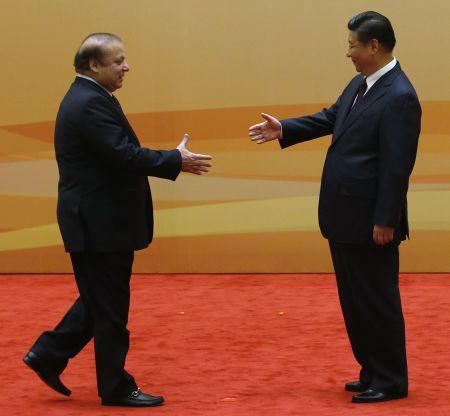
(371, 156)
(104, 199)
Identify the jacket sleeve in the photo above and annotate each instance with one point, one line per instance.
(302, 129)
(106, 137)
(398, 140)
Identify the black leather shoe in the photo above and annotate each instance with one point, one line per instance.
(134, 399)
(46, 373)
(375, 396)
(356, 386)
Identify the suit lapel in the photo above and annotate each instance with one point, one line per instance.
(346, 105)
(115, 102)
(123, 117)
(374, 94)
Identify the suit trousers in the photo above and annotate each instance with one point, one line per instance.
(367, 281)
(101, 312)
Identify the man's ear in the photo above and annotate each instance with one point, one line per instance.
(374, 46)
(93, 65)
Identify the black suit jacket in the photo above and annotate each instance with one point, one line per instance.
(371, 156)
(104, 199)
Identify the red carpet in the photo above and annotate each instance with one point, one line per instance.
(227, 345)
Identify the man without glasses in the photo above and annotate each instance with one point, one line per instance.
(375, 126)
(104, 213)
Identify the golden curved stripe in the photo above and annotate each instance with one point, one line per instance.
(202, 123)
(272, 215)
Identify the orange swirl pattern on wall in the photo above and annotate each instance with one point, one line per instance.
(255, 212)
(209, 69)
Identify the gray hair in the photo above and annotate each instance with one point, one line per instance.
(93, 47)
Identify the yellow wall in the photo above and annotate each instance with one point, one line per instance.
(209, 68)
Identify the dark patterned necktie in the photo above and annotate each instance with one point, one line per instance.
(361, 91)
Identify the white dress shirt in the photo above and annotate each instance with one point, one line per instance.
(371, 79)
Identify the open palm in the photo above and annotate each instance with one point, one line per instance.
(266, 131)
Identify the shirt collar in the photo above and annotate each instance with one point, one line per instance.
(371, 79)
(94, 81)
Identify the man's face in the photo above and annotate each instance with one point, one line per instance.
(111, 70)
(362, 55)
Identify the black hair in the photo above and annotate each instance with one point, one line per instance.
(96, 50)
(373, 25)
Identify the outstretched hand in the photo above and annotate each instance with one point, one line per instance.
(193, 162)
(266, 131)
